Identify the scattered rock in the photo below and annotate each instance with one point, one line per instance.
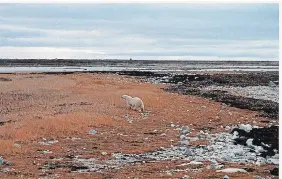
(93, 132)
(264, 140)
(271, 84)
(182, 137)
(104, 153)
(223, 106)
(4, 122)
(17, 145)
(169, 173)
(2, 162)
(185, 177)
(260, 99)
(185, 129)
(226, 177)
(184, 143)
(188, 152)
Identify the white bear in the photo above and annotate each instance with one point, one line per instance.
(134, 103)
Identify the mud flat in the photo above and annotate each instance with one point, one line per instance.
(75, 125)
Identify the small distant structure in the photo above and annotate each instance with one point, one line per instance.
(130, 59)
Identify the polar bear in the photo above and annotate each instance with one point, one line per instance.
(134, 103)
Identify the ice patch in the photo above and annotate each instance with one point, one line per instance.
(232, 170)
(245, 127)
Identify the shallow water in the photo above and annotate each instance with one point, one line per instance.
(22, 66)
(157, 69)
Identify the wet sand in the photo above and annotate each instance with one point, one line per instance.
(63, 108)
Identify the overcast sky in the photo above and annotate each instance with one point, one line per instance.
(140, 31)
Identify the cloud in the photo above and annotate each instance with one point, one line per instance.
(218, 31)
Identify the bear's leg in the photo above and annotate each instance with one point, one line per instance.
(133, 107)
(128, 105)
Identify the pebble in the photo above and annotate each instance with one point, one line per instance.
(182, 137)
(227, 128)
(17, 145)
(169, 173)
(271, 84)
(185, 130)
(184, 143)
(223, 105)
(188, 152)
(226, 177)
(2, 162)
(93, 132)
(163, 134)
(104, 153)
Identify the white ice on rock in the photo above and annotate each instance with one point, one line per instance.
(257, 92)
(245, 127)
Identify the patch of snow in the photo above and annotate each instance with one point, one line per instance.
(195, 163)
(256, 92)
(51, 142)
(245, 127)
(232, 170)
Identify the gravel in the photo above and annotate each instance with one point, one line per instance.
(221, 149)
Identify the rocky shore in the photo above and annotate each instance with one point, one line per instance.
(75, 125)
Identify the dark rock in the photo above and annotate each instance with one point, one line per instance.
(191, 86)
(266, 135)
(5, 79)
(4, 122)
(75, 168)
(249, 169)
(275, 171)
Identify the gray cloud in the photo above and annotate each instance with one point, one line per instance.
(174, 30)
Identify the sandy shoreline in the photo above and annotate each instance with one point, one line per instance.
(65, 107)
